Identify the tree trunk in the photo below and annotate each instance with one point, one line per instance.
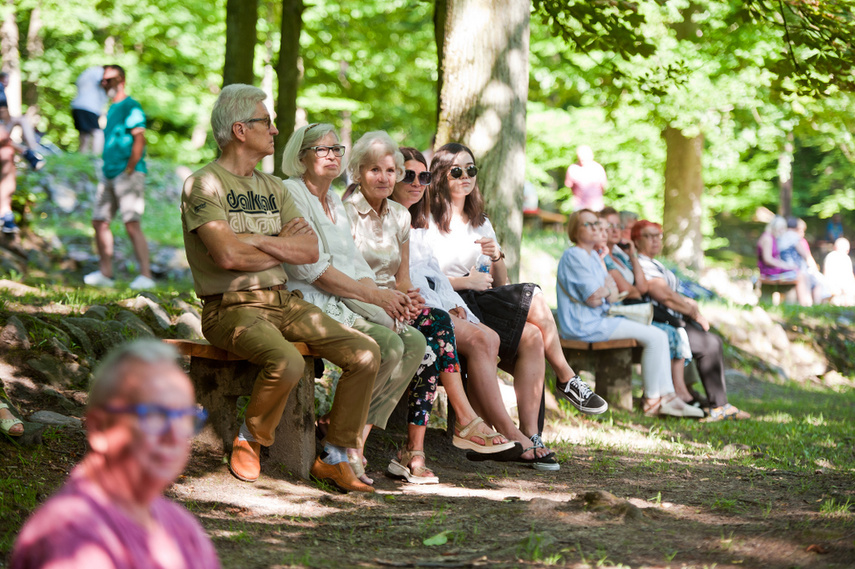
(11, 57)
(785, 177)
(241, 19)
(484, 71)
(288, 72)
(35, 51)
(684, 187)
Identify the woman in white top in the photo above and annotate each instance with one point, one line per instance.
(459, 232)
(381, 230)
(475, 341)
(313, 159)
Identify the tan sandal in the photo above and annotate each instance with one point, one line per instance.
(400, 468)
(651, 407)
(467, 433)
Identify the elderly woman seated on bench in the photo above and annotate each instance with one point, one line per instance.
(585, 293)
(773, 268)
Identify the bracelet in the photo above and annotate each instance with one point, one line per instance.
(499, 258)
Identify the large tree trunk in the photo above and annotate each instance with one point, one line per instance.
(35, 51)
(684, 187)
(241, 19)
(11, 57)
(288, 71)
(484, 70)
(785, 177)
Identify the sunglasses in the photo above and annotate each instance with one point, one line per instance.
(457, 171)
(322, 151)
(156, 420)
(410, 176)
(266, 121)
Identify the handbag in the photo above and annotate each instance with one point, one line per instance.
(662, 315)
(641, 312)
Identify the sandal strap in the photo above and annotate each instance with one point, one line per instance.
(407, 456)
(464, 431)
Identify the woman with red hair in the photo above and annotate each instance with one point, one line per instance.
(707, 348)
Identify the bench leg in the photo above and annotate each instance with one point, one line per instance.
(294, 446)
(613, 373)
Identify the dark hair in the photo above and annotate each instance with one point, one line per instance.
(606, 211)
(792, 222)
(440, 205)
(118, 69)
(420, 210)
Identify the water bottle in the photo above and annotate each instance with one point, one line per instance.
(483, 263)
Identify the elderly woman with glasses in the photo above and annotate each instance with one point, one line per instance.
(707, 348)
(381, 229)
(341, 282)
(585, 293)
(460, 232)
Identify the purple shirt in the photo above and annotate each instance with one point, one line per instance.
(79, 527)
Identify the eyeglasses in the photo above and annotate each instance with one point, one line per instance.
(410, 176)
(652, 235)
(321, 151)
(457, 171)
(590, 224)
(613, 226)
(266, 121)
(156, 420)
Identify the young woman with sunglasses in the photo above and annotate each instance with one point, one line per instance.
(381, 230)
(459, 232)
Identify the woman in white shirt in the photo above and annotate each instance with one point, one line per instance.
(459, 232)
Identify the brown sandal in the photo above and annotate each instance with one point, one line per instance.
(417, 475)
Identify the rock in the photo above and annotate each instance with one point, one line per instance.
(143, 302)
(61, 194)
(79, 337)
(133, 321)
(184, 306)
(16, 288)
(60, 398)
(608, 503)
(97, 312)
(779, 338)
(14, 335)
(32, 434)
(51, 418)
(542, 506)
(55, 371)
(189, 327)
(60, 350)
(105, 335)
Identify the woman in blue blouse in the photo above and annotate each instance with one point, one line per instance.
(585, 292)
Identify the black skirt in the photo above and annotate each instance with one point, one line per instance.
(504, 310)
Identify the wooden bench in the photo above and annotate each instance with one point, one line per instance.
(611, 363)
(542, 217)
(220, 377)
(778, 291)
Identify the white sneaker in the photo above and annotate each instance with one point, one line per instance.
(98, 279)
(142, 282)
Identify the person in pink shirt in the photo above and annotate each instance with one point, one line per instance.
(587, 179)
(111, 512)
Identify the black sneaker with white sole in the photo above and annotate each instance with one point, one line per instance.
(581, 397)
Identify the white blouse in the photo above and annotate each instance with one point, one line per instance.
(426, 275)
(456, 251)
(336, 247)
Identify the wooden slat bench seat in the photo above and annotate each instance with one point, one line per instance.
(543, 217)
(778, 291)
(611, 363)
(220, 377)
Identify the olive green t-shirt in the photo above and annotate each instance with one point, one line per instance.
(249, 204)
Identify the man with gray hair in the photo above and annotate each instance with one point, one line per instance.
(111, 512)
(240, 225)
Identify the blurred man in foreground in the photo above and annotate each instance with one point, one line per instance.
(111, 512)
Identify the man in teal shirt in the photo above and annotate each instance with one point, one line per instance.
(123, 187)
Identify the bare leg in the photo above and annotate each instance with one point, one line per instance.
(97, 142)
(416, 441)
(453, 384)
(8, 182)
(480, 346)
(529, 372)
(678, 377)
(104, 242)
(140, 246)
(541, 316)
(84, 143)
(803, 290)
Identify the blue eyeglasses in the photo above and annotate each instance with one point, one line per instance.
(156, 420)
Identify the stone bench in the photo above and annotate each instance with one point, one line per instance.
(611, 363)
(220, 377)
(777, 292)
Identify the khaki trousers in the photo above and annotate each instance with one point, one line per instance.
(401, 355)
(260, 326)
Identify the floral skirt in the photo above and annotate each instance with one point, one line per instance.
(440, 357)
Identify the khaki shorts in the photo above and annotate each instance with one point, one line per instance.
(125, 194)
